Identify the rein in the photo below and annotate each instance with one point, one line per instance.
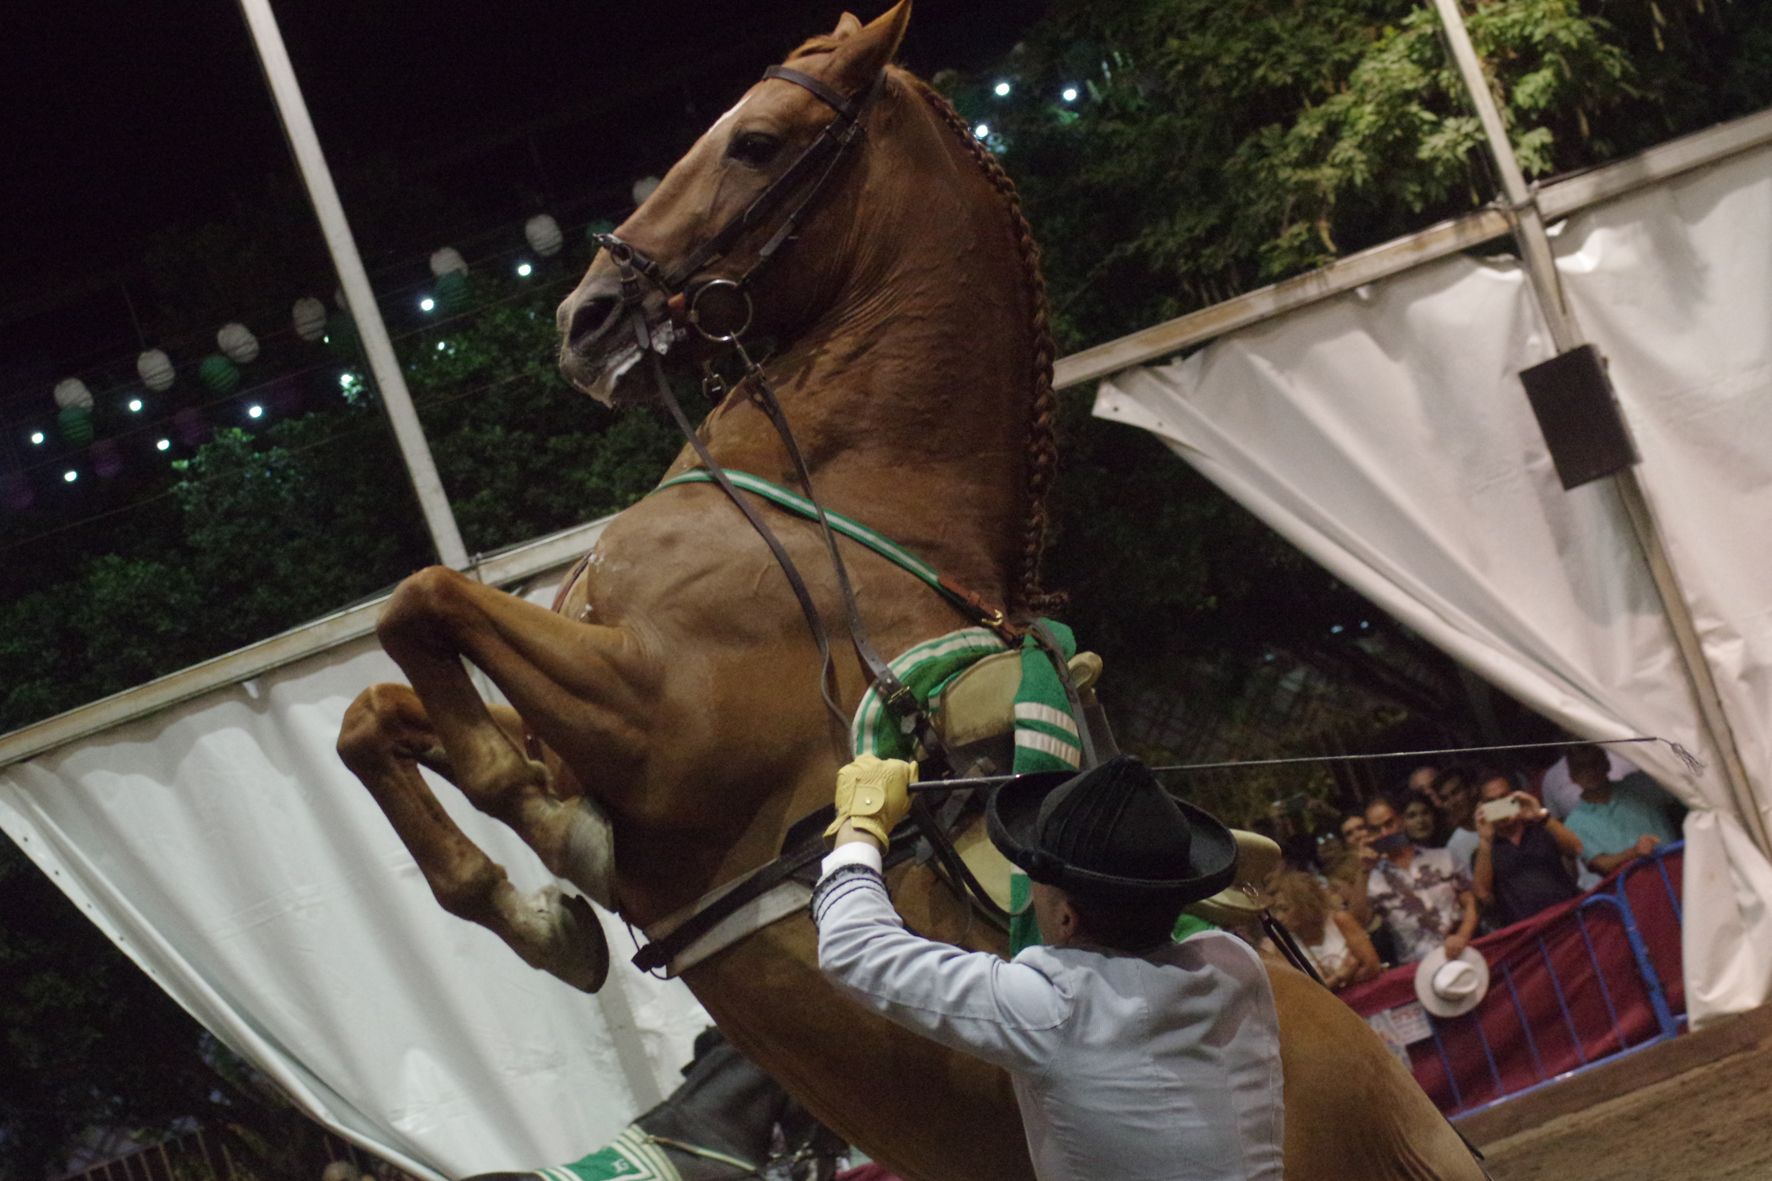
(726, 325)
(818, 161)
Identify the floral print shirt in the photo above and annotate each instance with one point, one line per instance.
(1419, 904)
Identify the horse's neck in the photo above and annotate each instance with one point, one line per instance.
(911, 395)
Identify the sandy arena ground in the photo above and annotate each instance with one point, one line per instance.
(1713, 1123)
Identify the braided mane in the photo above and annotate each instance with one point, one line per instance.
(1042, 444)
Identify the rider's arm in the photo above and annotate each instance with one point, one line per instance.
(973, 1001)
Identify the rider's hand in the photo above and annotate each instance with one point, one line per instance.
(872, 796)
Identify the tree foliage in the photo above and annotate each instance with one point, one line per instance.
(262, 530)
(1215, 147)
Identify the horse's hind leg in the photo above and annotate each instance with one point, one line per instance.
(385, 736)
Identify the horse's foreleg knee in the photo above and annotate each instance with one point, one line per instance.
(385, 733)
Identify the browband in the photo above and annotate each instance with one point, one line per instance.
(849, 108)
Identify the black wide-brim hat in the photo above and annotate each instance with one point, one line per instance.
(1111, 830)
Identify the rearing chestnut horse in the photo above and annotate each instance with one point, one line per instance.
(668, 723)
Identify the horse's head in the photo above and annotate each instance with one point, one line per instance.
(772, 182)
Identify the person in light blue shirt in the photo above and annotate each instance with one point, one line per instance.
(1617, 820)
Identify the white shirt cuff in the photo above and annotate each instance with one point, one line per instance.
(851, 853)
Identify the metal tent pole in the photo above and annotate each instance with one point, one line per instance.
(408, 433)
(1541, 270)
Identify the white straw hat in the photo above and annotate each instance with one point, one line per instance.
(1450, 988)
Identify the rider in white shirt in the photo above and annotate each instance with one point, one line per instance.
(1133, 1056)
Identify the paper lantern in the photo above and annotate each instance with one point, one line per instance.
(72, 392)
(543, 235)
(218, 374)
(452, 291)
(190, 425)
(644, 188)
(76, 424)
(448, 261)
(16, 492)
(156, 370)
(309, 315)
(105, 460)
(238, 342)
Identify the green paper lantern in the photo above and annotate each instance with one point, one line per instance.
(452, 291)
(219, 374)
(76, 424)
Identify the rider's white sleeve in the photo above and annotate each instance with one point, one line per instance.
(1004, 1012)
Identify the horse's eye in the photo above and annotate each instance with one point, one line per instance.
(753, 147)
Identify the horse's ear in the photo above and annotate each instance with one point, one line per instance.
(867, 48)
(848, 26)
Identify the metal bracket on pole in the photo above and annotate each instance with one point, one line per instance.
(1541, 270)
(305, 145)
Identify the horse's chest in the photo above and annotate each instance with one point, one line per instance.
(686, 561)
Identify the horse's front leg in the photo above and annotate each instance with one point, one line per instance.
(588, 691)
(385, 737)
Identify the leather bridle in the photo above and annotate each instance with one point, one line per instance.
(818, 161)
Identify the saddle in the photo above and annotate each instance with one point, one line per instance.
(977, 714)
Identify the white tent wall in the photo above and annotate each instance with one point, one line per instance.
(222, 845)
(1386, 434)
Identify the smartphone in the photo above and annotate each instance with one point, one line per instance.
(1495, 811)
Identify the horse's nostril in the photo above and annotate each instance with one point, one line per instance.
(589, 319)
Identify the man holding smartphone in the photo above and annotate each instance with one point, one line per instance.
(1523, 853)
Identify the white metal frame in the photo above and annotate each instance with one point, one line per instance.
(409, 435)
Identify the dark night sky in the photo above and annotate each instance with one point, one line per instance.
(123, 118)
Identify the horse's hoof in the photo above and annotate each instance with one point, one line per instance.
(581, 953)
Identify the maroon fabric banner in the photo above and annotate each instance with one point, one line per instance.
(1565, 989)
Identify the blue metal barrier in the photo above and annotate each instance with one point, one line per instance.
(1609, 904)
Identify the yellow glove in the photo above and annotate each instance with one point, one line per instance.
(872, 795)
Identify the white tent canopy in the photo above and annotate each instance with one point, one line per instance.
(1386, 434)
(223, 846)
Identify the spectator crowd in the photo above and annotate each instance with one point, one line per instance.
(1456, 851)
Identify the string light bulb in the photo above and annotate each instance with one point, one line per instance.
(427, 304)
(255, 411)
(524, 270)
(982, 131)
(1069, 94)
(70, 476)
(135, 405)
(163, 445)
(1001, 89)
(38, 438)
